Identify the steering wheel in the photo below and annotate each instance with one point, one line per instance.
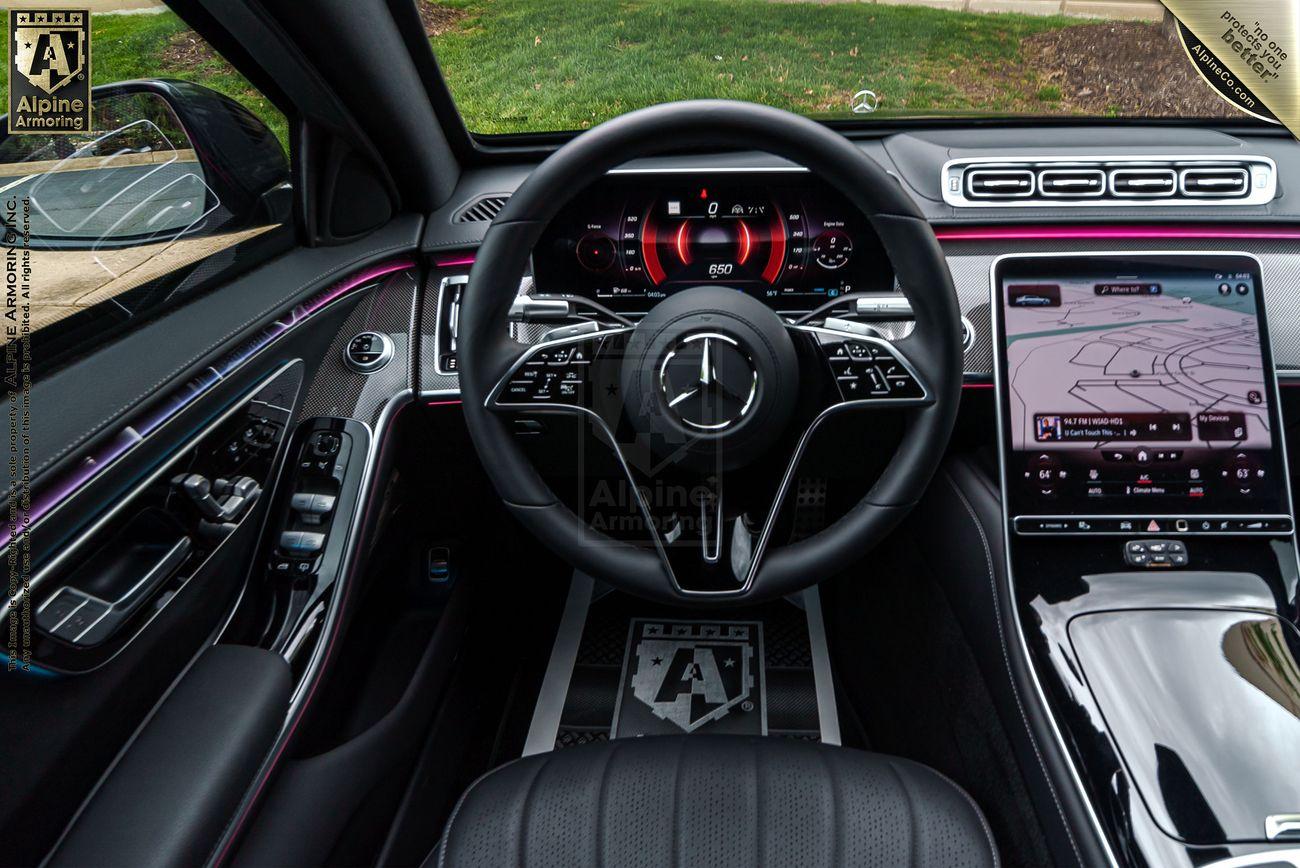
(711, 393)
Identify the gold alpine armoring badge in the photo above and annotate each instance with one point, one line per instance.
(49, 71)
(1246, 50)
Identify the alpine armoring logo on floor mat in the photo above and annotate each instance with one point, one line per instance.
(680, 676)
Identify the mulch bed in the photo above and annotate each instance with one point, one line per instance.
(438, 19)
(187, 50)
(1123, 68)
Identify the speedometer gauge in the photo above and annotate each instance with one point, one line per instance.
(698, 236)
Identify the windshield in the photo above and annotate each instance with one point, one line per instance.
(525, 66)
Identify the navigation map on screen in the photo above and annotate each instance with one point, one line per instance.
(1136, 383)
(1153, 359)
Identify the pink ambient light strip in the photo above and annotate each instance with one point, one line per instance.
(1114, 233)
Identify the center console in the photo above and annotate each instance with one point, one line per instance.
(1150, 546)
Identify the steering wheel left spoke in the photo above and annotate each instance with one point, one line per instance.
(568, 374)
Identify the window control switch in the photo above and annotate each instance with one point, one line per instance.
(295, 542)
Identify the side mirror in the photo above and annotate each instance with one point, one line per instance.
(166, 160)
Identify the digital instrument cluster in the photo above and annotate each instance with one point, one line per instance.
(786, 238)
(1138, 386)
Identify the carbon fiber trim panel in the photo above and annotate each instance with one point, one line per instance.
(338, 390)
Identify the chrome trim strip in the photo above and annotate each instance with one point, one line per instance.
(1281, 826)
(545, 725)
(828, 718)
(305, 629)
(690, 170)
(1259, 168)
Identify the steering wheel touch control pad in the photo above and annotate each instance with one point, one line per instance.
(869, 369)
(555, 374)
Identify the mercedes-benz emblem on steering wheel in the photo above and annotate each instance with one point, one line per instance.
(708, 381)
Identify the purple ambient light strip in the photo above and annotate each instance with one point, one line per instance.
(92, 465)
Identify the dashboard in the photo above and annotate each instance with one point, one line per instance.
(1135, 386)
(784, 237)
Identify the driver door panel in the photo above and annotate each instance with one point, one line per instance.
(218, 392)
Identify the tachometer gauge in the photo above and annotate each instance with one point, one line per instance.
(832, 249)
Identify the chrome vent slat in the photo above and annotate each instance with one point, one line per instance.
(1109, 181)
(1147, 182)
(481, 210)
(999, 183)
(1070, 183)
(1215, 182)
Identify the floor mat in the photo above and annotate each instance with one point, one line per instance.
(642, 669)
(681, 676)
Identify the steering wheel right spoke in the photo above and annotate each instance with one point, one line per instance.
(869, 372)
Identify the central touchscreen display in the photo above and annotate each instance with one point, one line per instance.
(1137, 385)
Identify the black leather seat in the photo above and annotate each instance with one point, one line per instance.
(714, 801)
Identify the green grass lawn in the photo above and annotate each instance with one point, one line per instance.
(533, 65)
(132, 46)
(537, 65)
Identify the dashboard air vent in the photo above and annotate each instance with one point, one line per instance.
(1060, 181)
(1228, 182)
(1143, 182)
(1072, 182)
(481, 210)
(999, 183)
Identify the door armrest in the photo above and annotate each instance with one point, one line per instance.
(174, 788)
